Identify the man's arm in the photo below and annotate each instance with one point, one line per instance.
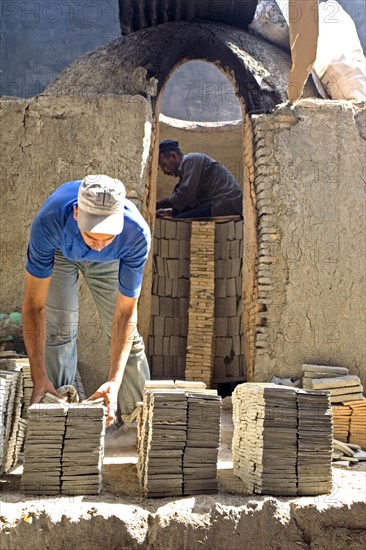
(123, 328)
(164, 203)
(186, 192)
(34, 333)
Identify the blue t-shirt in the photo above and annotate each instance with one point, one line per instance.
(54, 228)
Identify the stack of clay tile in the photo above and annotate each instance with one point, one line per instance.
(358, 423)
(282, 442)
(163, 448)
(83, 450)
(202, 447)
(265, 438)
(169, 303)
(229, 339)
(350, 422)
(11, 415)
(11, 362)
(166, 441)
(17, 431)
(17, 405)
(341, 386)
(24, 366)
(143, 426)
(43, 449)
(20, 439)
(341, 421)
(346, 395)
(64, 448)
(315, 443)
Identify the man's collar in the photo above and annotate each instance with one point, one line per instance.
(179, 169)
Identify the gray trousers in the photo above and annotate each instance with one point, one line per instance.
(62, 326)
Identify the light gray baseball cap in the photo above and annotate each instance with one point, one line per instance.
(101, 202)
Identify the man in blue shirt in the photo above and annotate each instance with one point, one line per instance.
(86, 226)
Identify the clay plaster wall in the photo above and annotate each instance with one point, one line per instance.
(221, 141)
(45, 142)
(307, 195)
(311, 208)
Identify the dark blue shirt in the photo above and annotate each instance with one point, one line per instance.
(54, 228)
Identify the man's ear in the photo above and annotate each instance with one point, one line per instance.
(75, 213)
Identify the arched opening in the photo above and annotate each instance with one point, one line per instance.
(198, 91)
(207, 115)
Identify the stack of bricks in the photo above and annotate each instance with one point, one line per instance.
(16, 372)
(64, 448)
(9, 409)
(282, 441)
(166, 439)
(16, 381)
(178, 438)
(201, 314)
(169, 305)
(229, 343)
(350, 422)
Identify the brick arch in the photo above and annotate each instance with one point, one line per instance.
(249, 283)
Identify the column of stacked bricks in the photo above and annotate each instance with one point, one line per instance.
(178, 439)
(15, 411)
(314, 443)
(169, 305)
(8, 384)
(201, 313)
(63, 449)
(358, 423)
(347, 398)
(43, 449)
(144, 412)
(282, 441)
(83, 450)
(166, 439)
(229, 342)
(11, 421)
(202, 447)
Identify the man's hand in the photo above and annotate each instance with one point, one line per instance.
(109, 391)
(40, 389)
(164, 213)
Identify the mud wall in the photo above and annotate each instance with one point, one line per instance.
(311, 215)
(45, 142)
(305, 215)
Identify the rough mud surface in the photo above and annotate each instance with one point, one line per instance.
(121, 518)
(140, 63)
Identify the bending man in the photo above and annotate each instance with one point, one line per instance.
(90, 227)
(205, 188)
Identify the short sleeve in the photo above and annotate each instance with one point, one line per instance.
(131, 267)
(41, 252)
